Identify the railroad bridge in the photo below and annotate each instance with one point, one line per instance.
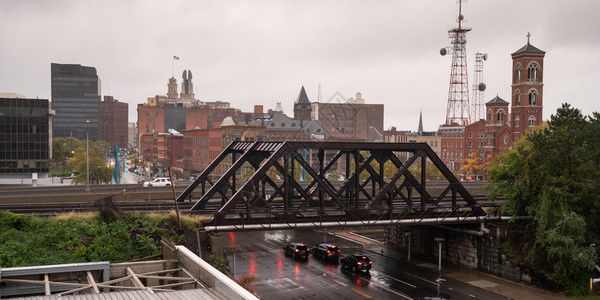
(268, 183)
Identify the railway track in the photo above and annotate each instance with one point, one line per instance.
(53, 200)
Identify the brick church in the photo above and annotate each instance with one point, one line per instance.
(505, 122)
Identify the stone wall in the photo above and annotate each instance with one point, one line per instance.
(465, 246)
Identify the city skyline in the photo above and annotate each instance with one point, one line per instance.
(263, 52)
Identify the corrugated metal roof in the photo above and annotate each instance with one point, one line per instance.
(138, 294)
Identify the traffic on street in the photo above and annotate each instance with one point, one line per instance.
(280, 276)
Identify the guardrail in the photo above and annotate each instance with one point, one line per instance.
(211, 276)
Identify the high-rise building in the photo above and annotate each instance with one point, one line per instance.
(113, 126)
(25, 136)
(76, 93)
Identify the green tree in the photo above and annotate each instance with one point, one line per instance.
(99, 171)
(553, 175)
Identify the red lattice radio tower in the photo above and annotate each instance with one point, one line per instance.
(458, 96)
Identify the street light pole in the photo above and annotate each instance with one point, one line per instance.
(87, 154)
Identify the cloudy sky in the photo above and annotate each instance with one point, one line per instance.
(262, 52)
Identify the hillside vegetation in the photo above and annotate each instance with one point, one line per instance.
(74, 238)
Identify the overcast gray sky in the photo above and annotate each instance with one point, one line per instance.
(262, 52)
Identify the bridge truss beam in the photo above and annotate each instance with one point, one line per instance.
(383, 181)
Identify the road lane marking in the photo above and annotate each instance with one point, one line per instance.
(365, 295)
(340, 283)
(364, 237)
(434, 283)
(401, 281)
(390, 290)
(343, 237)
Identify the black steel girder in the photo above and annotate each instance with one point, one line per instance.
(382, 181)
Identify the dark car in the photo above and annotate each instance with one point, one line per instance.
(326, 251)
(356, 262)
(296, 250)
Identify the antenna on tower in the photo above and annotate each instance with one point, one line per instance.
(458, 94)
(477, 102)
(319, 94)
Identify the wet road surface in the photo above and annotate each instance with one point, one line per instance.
(260, 253)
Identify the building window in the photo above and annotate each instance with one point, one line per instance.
(532, 97)
(532, 72)
(500, 116)
(518, 73)
(470, 135)
(470, 144)
(531, 121)
(517, 98)
(506, 139)
(517, 121)
(489, 116)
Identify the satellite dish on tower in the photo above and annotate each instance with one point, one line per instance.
(485, 56)
(443, 51)
(482, 86)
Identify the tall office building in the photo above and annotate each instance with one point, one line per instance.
(24, 136)
(76, 100)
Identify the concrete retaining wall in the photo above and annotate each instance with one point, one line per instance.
(464, 248)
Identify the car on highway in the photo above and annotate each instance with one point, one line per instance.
(159, 181)
(326, 252)
(356, 262)
(296, 250)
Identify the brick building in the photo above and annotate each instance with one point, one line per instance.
(200, 148)
(505, 122)
(114, 121)
(348, 119)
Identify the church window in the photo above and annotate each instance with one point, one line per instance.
(518, 73)
(531, 121)
(489, 115)
(506, 139)
(532, 97)
(517, 121)
(532, 72)
(517, 98)
(501, 116)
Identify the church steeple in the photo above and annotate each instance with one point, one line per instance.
(302, 107)
(420, 130)
(527, 89)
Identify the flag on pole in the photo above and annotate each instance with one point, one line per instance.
(175, 57)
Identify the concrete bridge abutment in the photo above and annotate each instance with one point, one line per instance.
(476, 247)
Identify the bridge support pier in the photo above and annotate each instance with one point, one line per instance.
(216, 244)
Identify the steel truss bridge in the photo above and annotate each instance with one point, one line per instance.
(286, 184)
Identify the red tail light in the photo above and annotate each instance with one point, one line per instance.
(296, 250)
(369, 262)
(359, 263)
(328, 251)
